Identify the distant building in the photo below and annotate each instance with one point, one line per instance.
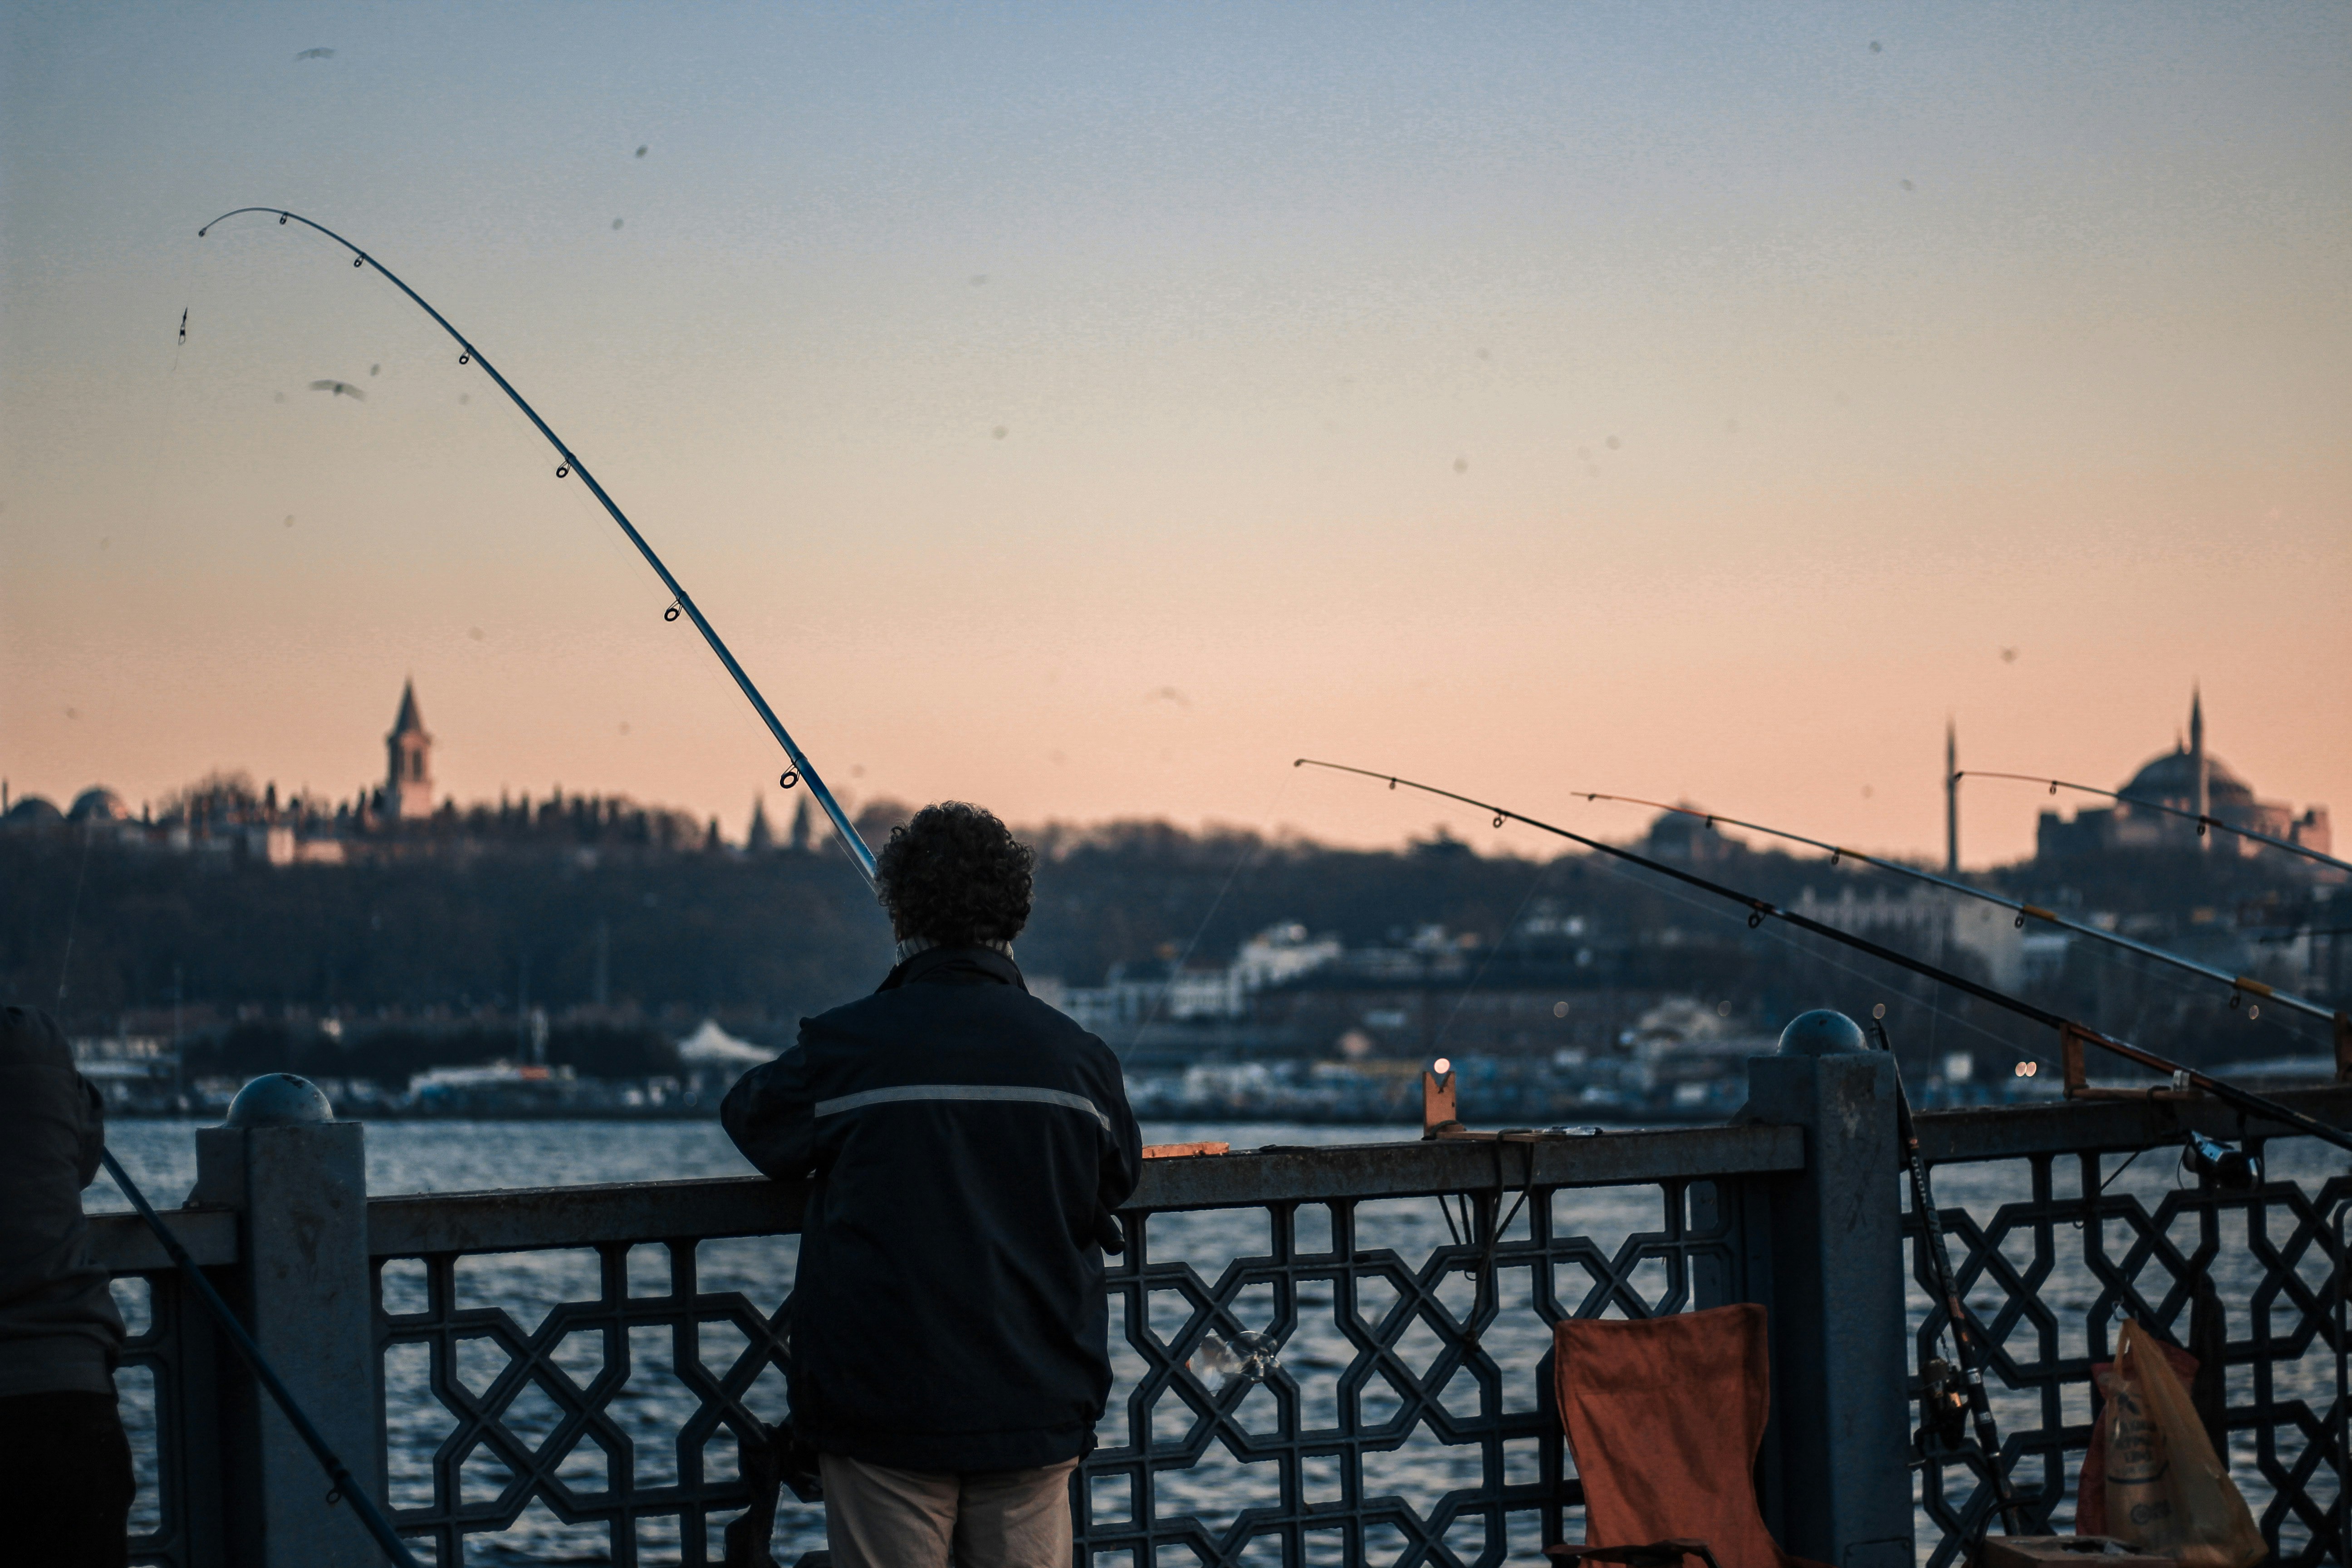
(2189, 779)
(1923, 922)
(408, 774)
(1684, 837)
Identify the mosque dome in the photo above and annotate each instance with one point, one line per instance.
(97, 803)
(2172, 778)
(32, 811)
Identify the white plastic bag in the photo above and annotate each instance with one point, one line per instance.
(2167, 1492)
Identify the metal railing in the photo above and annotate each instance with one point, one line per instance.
(2063, 1255)
(1328, 1354)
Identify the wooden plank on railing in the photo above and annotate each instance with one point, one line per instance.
(124, 1245)
(527, 1219)
(2082, 1126)
(1316, 1173)
(518, 1219)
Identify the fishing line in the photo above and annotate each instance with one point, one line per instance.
(73, 913)
(1257, 846)
(1542, 869)
(569, 467)
(1817, 956)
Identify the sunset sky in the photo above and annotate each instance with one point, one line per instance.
(1085, 412)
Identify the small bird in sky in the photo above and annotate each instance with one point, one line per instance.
(2009, 656)
(1168, 694)
(340, 388)
(316, 55)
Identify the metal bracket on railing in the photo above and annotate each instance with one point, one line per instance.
(2071, 1037)
(1437, 1114)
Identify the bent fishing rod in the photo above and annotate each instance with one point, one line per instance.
(343, 1486)
(681, 601)
(1966, 1349)
(2239, 984)
(2203, 819)
(1759, 910)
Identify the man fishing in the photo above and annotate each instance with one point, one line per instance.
(65, 1464)
(968, 1144)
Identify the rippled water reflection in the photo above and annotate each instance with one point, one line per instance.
(652, 1405)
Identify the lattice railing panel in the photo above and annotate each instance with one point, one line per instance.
(2048, 1265)
(1349, 1382)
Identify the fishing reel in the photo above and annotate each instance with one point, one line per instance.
(1943, 1409)
(2231, 1170)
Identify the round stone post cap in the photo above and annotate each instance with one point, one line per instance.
(279, 1100)
(1821, 1033)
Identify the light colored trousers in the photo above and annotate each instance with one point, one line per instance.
(875, 1517)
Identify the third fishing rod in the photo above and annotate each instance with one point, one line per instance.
(1966, 1350)
(2239, 984)
(2205, 820)
(1759, 910)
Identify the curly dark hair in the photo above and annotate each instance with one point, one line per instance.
(957, 875)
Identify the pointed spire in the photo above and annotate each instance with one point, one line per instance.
(409, 722)
(2198, 763)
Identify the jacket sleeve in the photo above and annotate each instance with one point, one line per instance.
(771, 1115)
(1122, 1159)
(93, 1130)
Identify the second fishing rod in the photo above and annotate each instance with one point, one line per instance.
(1761, 909)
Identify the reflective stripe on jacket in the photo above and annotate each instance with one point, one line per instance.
(967, 1143)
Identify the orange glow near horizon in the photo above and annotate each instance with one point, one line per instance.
(1089, 417)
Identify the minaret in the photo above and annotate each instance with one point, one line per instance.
(1951, 799)
(801, 826)
(408, 771)
(2197, 765)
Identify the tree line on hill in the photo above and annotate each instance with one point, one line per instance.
(640, 945)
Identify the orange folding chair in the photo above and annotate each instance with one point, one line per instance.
(1664, 1416)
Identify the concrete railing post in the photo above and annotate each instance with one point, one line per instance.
(299, 1181)
(1837, 1323)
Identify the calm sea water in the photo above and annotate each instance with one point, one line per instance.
(448, 1156)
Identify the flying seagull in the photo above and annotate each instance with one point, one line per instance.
(340, 388)
(316, 55)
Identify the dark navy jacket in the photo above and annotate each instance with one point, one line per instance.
(968, 1143)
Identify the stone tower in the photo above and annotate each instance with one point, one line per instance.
(408, 770)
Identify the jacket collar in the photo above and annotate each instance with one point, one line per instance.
(986, 962)
(913, 945)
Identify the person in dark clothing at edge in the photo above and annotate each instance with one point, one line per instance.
(65, 1464)
(968, 1144)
